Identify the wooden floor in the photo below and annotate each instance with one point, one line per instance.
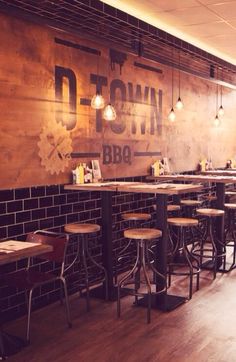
(203, 329)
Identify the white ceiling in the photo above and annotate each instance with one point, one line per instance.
(208, 24)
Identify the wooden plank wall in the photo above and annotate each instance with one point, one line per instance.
(47, 79)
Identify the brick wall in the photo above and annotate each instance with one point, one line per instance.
(50, 207)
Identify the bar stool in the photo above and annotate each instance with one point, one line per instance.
(135, 219)
(181, 257)
(199, 249)
(143, 238)
(170, 208)
(230, 232)
(229, 195)
(82, 232)
(190, 207)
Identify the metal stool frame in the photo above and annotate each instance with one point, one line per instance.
(142, 261)
(199, 249)
(181, 246)
(83, 240)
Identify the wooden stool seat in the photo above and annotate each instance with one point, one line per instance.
(170, 208)
(142, 233)
(210, 212)
(190, 202)
(230, 193)
(136, 216)
(182, 221)
(81, 228)
(230, 206)
(173, 207)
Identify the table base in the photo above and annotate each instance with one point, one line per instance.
(170, 302)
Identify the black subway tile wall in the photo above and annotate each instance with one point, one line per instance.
(51, 207)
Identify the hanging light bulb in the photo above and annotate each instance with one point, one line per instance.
(171, 115)
(179, 104)
(221, 111)
(216, 121)
(109, 113)
(97, 101)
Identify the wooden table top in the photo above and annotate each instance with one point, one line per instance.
(143, 187)
(195, 178)
(12, 250)
(228, 172)
(98, 186)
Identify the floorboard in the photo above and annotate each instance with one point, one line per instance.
(203, 329)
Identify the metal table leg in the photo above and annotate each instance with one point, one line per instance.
(164, 301)
(107, 247)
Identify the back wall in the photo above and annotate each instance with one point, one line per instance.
(47, 79)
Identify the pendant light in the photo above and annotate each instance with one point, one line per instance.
(171, 115)
(97, 101)
(217, 119)
(109, 113)
(221, 109)
(179, 105)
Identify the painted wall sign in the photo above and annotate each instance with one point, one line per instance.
(47, 125)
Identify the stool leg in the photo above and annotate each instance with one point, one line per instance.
(66, 301)
(118, 300)
(98, 265)
(156, 273)
(191, 256)
(214, 249)
(183, 242)
(122, 281)
(86, 274)
(137, 277)
(149, 290)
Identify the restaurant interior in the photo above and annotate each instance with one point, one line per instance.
(118, 180)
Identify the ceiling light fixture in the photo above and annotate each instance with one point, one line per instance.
(179, 105)
(97, 101)
(221, 110)
(217, 119)
(109, 113)
(171, 115)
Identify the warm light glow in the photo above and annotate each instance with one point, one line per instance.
(97, 101)
(109, 113)
(216, 121)
(179, 105)
(221, 111)
(171, 116)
